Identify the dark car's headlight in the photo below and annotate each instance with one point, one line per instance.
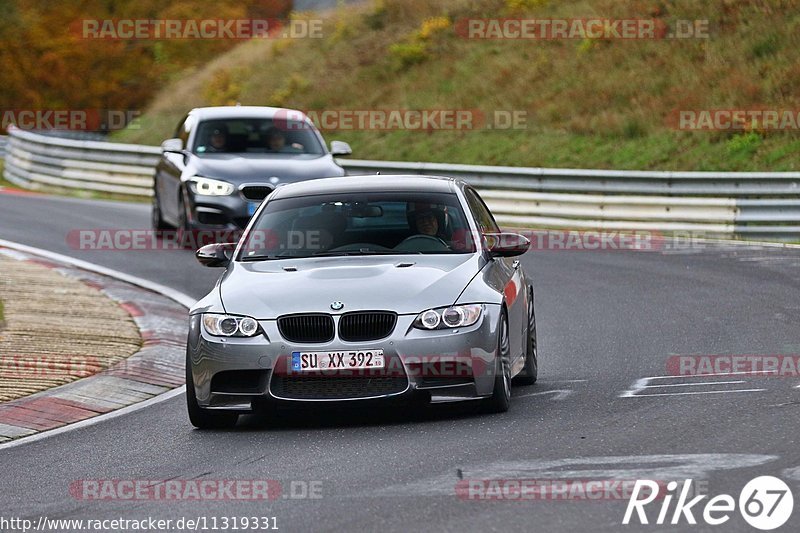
(230, 326)
(455, 316)
(210, 187)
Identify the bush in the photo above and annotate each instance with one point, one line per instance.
(407, 54)
(744, 144)
(524, 5)
(415, 48)
(294, 85)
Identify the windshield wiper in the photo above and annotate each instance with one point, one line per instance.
(340, 253)
(263, 258)
(355, 252)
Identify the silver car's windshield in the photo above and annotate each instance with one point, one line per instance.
(359, 224)
(278, 137)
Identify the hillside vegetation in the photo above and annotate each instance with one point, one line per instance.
(594, 103)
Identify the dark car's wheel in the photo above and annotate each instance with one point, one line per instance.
(184, 225)
(530, 372)
(501, 395)
(156, 218)
(204, 418)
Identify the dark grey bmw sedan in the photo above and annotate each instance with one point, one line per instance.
(223, 161)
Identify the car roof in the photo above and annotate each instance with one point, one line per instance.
(367, 183)
(244, 111)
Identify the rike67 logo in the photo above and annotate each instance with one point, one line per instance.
(765, 503)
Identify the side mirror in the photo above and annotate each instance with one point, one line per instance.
(216, 255)
(340, 148)
(172, 146)
(506, 244)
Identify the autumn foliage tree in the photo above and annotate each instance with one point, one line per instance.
(47, 62)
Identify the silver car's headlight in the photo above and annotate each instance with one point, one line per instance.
(455, 316)
(230, 326)
(210, 187)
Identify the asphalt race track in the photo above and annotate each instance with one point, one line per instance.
(606, 320)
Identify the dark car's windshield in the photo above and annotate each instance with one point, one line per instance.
(359, 224)
(257, 136)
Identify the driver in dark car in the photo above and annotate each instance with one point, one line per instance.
(218, 140)
(276, 141)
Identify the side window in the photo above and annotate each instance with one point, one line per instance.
(483, 216)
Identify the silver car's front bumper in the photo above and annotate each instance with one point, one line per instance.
(230, 373)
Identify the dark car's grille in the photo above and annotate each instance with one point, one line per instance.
(306, 328)
(335, 388)
(256, 192)
(366, 325)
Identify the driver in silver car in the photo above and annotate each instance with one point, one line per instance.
(428, 219)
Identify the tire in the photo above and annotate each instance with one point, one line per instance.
(530, 372)
(205, 418)
(501, 394)
(184, 237)
(156, 219)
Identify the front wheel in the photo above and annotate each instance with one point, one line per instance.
(205, 418)
(501, 395)
(184, 236)
(156, 218)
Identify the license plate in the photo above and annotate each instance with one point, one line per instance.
(251, 208)
(354, 359)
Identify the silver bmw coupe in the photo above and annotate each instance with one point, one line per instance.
(362, 288)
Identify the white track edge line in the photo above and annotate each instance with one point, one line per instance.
(95, 419)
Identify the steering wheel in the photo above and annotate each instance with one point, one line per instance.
(431, 239)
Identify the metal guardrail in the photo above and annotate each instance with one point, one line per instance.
(36, 161)
(763, 205)
(3, 142)
(746, 204)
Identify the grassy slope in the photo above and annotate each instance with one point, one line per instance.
(593, 104)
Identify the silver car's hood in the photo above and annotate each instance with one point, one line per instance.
(268, 289)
